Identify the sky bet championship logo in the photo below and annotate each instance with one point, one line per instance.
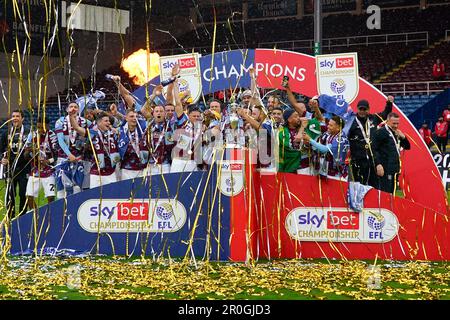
(231, 177)
(140, 215)
(183, 63)
(337, 75)
(190, 78)
(342, 225)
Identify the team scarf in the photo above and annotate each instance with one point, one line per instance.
(69, 174)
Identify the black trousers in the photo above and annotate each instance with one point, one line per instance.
(441, 143)
(387, 182)
(363, 171)
(20, 181)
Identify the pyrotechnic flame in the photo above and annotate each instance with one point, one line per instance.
(136, 66)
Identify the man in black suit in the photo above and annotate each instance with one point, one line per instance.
(360, 137)
(387, 144)
(14, 162)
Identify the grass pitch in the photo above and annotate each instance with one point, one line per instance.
(101, 277)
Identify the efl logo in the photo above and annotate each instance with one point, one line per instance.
(132, 211)
(344, 63)
(187, 63)
(342, 220)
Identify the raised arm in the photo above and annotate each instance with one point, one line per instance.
(147, 108)
(175, 72)
(314, 104)
(255, 99)
(380, 117)
(126, 95)
(244, 115)
(74, 123)
(115, 113)
(178, 105)
(298, 106)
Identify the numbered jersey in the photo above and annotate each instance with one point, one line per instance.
(42, 146)
(332, 163)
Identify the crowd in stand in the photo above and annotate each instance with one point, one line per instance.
(169, 134)
(439, 136)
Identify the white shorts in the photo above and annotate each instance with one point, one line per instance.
(181, 165)
(95, 180)
(155, 169)
(35, 183)
(268, 171)
(338, 177)
(308, 171)
(126, 174)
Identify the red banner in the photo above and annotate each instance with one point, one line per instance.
(301, 216)
(420, 178)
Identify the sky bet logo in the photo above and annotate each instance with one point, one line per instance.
(342, 220)
(312, 219)
(136, 211)
(338, 63)
(125, 215)
(183, 63)
(232, 166)
(335, 220)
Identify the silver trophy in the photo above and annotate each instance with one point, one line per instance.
(234, 119)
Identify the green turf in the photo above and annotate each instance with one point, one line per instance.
(436, 280)
(42, 200)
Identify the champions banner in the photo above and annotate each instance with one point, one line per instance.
(227, 70)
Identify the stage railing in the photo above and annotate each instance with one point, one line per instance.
(409, 37)
(406, 37)
(412, 87)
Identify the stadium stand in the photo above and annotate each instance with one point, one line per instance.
(419, 67)
(401, 61)
(433, 19)
(410, 103)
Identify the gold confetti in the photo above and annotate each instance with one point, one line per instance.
(120, 278)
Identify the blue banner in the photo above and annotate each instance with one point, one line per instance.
(164, 214)
(430, 111)
(140, 95)
(229, 70)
